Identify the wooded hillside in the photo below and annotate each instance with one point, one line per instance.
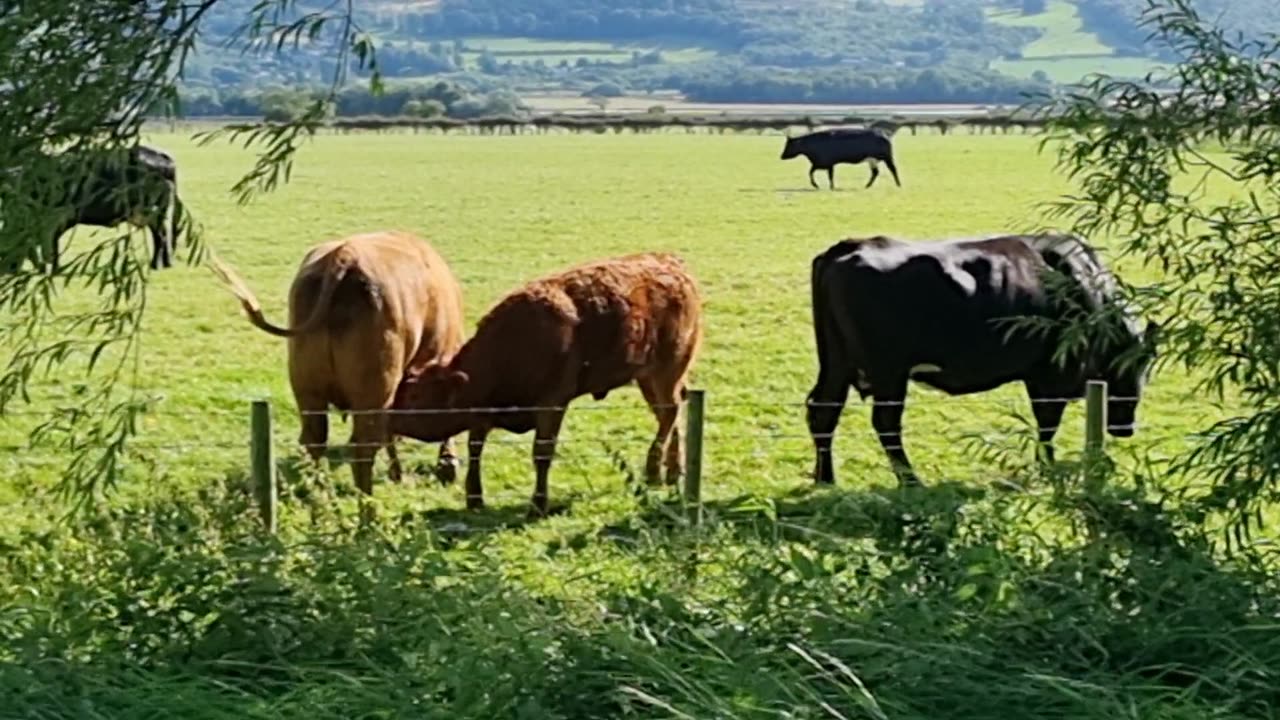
(852, 52)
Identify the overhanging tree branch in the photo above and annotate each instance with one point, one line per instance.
(78, 80)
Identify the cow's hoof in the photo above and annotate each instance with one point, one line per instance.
(446, 472)
(475, 503)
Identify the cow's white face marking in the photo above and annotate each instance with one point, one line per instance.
(923, 368)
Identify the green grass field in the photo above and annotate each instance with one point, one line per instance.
(962, 600)
(552, 52)
(1066, 52)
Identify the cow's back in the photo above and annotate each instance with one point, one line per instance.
(899, 305)
(633, 314)
(585, 330)
(398, 304)
(845, 145)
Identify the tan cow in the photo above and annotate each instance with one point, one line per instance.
(587, 330)
(363, 310)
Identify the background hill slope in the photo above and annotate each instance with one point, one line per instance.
(721, 51)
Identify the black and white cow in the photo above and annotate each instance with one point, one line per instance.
(939, 313)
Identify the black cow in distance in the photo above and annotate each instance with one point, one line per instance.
(827, 148)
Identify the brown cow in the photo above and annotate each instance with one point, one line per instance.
(587, 330)
(363, 310)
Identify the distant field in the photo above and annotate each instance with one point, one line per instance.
(961, 600)
(567, 102)
(1066, 52)
(552, 52)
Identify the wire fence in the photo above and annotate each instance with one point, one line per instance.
(743, 435)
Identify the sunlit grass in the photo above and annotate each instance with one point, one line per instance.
(962, 601)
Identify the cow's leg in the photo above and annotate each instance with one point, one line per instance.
(831, 177)
(1048, 408)
(875, 172)
(368, 433)
(53, 255)
(824, 404)
(886, 418)
(663, 401)
(546, 430)
(313, 411)
(813, 169)
(160, 255)
(893, 170)
(394, 472)
(447, 464)
(475, 448)
(53, 248)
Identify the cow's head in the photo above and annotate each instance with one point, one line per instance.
(431, 386)
(791, 148)
(429, 395)
(1126, 374)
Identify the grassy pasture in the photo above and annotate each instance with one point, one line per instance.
(503, 210)
(1067, 51)
(552, 52)
(963, 599)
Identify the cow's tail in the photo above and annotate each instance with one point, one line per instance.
(253, 308)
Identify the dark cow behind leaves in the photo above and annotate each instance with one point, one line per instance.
(967, 316)
(827, 148)
(104, 188)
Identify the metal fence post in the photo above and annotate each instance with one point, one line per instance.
(1095, 425)
(262, 465)
(693, 456)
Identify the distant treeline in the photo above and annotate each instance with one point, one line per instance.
(423, 100)
(842, 86)
(467, 97)
(662, 122)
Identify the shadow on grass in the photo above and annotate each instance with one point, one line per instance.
(808, 513)
(799, 190)
(314, 488)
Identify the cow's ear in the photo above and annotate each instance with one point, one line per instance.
(457, 379)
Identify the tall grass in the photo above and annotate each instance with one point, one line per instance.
(943, 602)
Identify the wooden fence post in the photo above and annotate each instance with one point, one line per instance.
(1095, 425)
(262, 465)
(693, 456)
